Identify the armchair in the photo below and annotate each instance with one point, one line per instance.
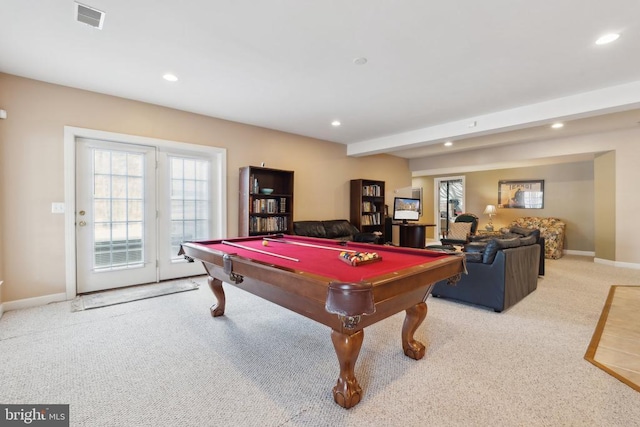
(464, 226)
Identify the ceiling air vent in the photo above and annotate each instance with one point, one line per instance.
(90, 16)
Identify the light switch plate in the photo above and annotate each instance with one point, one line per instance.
(57, 208)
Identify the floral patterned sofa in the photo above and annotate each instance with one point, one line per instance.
(552, 229)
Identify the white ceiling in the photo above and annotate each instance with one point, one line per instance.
(491, 72)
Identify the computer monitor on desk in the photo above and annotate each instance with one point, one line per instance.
(406, 209)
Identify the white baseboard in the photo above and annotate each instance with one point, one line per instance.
(579, 253)
(34, 302)
(632, 265)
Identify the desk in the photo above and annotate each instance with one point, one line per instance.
(322, 287)
(413, 235)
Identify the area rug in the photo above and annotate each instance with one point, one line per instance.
(132, 293)
(615, 345)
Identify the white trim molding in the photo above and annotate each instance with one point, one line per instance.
(34, 302)
(631, 265)
(578, 253)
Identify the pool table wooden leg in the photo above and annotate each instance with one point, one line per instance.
(415, 316)
(347, 392)
(217, 309)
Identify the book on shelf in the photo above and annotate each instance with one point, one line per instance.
(268, 225)
(371, 190)
(371, 219)
(268, 206)
(369, 207)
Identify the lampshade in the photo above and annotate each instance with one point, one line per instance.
(490, 210)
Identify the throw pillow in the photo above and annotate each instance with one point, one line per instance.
(459, 230)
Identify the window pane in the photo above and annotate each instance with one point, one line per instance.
(101, 162)
(135, 164)
(189, 169)
(202, 171)
(118, 232)
(176, 189)
(135, 232)
(119, 208)
(102, 210)
(102, 186)
(202, 229)
(102, 232)
(135, 210)
(190, 205)
(202, 190)
(118, 163)
(119, 190)
(135, 188)
(176, 168)
(177, 209)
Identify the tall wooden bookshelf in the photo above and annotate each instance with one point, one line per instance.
(261, 213)
(367, 205)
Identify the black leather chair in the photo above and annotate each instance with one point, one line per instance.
(458, 240)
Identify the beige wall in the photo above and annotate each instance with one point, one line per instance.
(32, 168)
(624, 146)
(568, 194)
(605, 209)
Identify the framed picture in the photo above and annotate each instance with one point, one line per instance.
(524, 194)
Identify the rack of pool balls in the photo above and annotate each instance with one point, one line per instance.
(359, 258)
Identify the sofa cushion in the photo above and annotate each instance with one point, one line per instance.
(338, 228)
(473, 256)
(475, 247)
(528, 240)
(459, 230)
(495, 245)
(309, 229)
(526, 231)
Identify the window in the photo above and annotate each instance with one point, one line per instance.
(190, 202)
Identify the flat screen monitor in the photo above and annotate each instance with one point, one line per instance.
(406, 209)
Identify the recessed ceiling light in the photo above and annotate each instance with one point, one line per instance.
(360, 61)
(336, 123)
(170, 77)
(608, 38)
(448, 144)
(557, 125)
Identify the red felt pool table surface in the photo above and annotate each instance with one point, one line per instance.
(326, 262)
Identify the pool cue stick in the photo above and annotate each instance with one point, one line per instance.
(224, 242)
(309, 245)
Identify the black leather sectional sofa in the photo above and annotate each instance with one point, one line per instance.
(502, 270)
(339, 229)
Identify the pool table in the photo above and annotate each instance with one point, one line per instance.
(311, 277)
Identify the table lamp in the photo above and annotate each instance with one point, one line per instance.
(491, 211)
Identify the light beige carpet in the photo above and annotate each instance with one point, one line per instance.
(615, 346)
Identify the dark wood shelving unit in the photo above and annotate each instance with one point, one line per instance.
(367, 206)
(261, 213)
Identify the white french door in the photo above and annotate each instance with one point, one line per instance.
(135, 205)
(115, 215)
(449, 201)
